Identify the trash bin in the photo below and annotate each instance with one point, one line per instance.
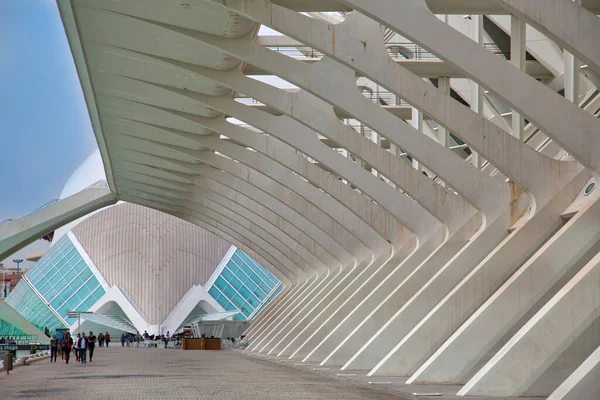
(8, 361)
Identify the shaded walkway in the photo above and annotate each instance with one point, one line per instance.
(140, 373)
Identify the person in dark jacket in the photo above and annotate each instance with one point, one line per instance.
(53, 348)
(91, 345)
(67, 346)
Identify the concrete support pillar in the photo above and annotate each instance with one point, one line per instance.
(444, 135)
(417, 123)
(583, 384)
(571, 76)
(543, 339)
(476, 90)
(518, 48)
(375, 138)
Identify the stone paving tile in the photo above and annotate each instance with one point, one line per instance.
(143, 373)
(392, 384)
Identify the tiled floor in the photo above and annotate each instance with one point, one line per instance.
(143, 373)
(390, 384)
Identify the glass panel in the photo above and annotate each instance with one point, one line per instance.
(98, 293)
(71, 253)
(227, 274)
(214, 292)
(29, 305)
(235, 282)
(220, 283)
(229, 292)
(86, 274)
(233, 268)
(238, 301)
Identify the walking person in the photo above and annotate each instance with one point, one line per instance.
(82, 346)
(167, 339)
(76, 345)
(67, 345)
(123, 339)
(53, 348)
(107, 338)
(100, 340)
(91, 344)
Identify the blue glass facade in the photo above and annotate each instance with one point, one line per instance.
(245, 285)
(8, 330)
(64, 282)
(26, 302)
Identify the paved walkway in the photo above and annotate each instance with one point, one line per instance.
(143, 373)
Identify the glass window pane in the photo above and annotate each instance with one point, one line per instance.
(220, 283)
(235, 282)
(213, 291)
(226, 274)
(229, 292)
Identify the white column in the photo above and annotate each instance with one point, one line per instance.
(571, 75)
(444, 86)
(477, 90)
(518, 48)
(417, 123)
(375, 138)
(443, 134)
(572, 65)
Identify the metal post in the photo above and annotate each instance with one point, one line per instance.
(18, 261)
(4, 291)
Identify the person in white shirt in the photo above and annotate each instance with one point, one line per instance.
(82, 346)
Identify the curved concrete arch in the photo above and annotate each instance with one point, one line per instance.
(270, 197)
(312, 252)
(402, 207)
(499, 146)
(339, 89)
(255, 233)
(319, 116)
(364, 209)
(245, 180)
(315, 233)
(201, 194)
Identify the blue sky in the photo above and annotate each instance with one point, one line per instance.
(45, 131)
